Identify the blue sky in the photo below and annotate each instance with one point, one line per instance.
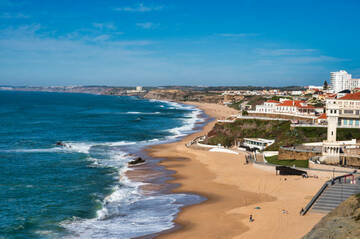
(177, 42)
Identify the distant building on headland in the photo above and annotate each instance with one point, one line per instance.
(138, 89)
(341, 80)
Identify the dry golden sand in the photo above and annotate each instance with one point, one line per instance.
(233, 190)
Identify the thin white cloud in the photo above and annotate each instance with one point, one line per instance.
(106, 25)
(139, 8)
(103, 37)
(7, 15)
(286, 56)
(147, 25)
(285, 52)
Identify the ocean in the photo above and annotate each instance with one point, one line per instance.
(80, 189)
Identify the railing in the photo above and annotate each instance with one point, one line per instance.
(325, 126)
(295, 114)
(322, 189)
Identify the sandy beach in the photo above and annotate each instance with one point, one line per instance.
(235, 190)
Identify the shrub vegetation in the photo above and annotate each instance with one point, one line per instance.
(226, 134)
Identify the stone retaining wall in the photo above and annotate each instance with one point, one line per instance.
(285, 154)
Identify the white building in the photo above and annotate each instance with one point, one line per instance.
(138, 89)
(285, 106)
(345, 111)
(257, 143)
(268, 107)
(296, 92)
(314, 87)
(341, 80)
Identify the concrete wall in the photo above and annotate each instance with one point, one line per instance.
(282, 117)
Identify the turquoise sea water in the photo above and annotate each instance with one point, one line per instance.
(80, 190)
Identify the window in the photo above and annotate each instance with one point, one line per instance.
(357, 112)
(356, 122)
(351, 122)
(348, 111)
(345, 122)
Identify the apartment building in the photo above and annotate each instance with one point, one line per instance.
(346, 109)
(341, 80)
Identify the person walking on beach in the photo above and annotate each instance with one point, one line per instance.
(251, 219)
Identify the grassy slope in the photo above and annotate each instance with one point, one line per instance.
(226, 133)
(297, 163)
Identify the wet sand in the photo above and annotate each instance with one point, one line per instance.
(234, 190)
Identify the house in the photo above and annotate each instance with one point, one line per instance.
(268, 107)
(297, 107)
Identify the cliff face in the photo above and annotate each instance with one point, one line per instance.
(175, 95)
(183, 95)
(342, 223)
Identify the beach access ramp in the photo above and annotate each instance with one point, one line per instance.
(332, 193)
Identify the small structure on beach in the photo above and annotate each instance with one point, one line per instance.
(284, 170)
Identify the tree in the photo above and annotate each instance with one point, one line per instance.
(325, 86)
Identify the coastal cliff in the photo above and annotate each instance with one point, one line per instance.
(342, 223)
(184, 95)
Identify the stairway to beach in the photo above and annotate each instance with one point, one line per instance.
(334, 195)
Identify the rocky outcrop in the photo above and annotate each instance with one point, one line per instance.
(137, 161)
(342, 223)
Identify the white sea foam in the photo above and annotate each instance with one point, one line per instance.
(143, 113)
(126, 212)
(188, 123)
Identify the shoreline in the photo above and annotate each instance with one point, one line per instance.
(230, 195)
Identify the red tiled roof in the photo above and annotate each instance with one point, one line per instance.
(354, 96)
(322, 116)
(272, 101)
(296, 103)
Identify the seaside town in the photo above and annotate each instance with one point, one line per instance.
(179, 119)
(267, 142)
(310, 131)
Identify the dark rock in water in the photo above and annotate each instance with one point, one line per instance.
(62, 144)
(59, 143)
(136, 161)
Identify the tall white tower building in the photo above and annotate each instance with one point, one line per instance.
(341, 80)
(332, 113)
